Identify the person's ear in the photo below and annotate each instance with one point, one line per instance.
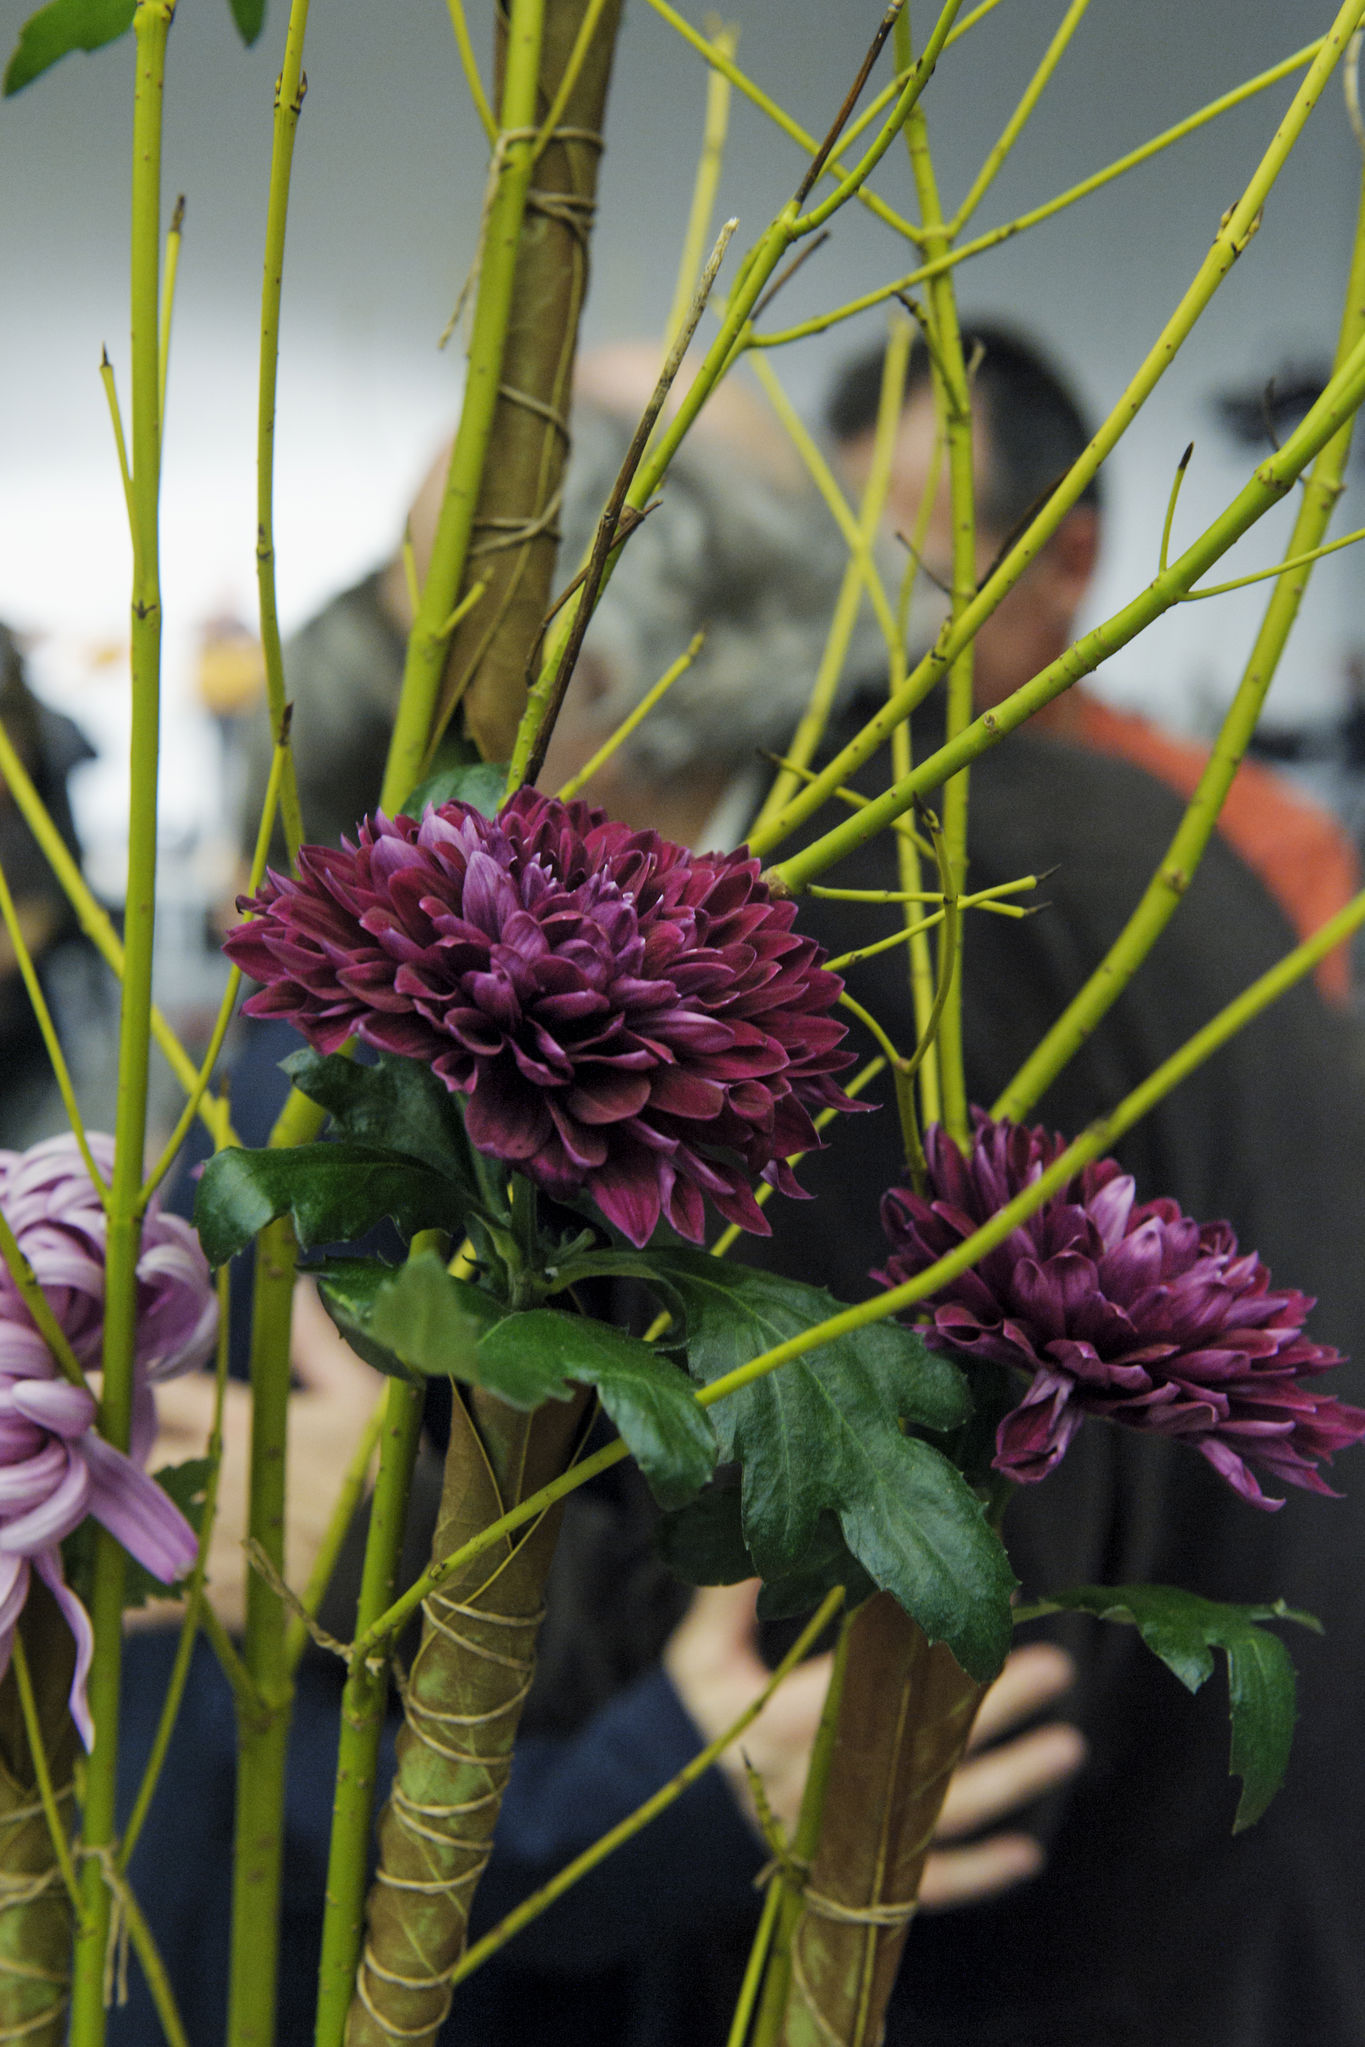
(1070, 558)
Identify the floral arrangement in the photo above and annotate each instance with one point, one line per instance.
(580, 1044)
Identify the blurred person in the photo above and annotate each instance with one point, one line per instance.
(1028, 429)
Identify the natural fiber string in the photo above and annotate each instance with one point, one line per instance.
(431, 1824)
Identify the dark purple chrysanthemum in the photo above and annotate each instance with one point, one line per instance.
(1131, 1312)
(623, 1016)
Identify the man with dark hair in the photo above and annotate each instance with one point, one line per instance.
(1030, 429)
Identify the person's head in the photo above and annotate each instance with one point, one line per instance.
(1028, 430)
(741, 549)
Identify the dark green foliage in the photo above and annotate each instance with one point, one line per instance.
(434, 1324)
(703, 1543)
(60, 27)
(400, 1105)
(333, 1193)
(821, 1439)
(1184, 1629)
(477, 783)
(249, 16)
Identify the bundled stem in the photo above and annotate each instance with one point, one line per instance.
(462, 1704)
(904, 1714)
(514, 531)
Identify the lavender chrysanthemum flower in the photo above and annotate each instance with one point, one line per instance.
(1131, 1312)
(623, 1016)
(51, 1205)
(54, 1468)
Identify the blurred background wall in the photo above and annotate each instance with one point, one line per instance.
(389, 173)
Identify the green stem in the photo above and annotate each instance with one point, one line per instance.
(289, 90)
(1267, 486)
(625, 1830)
(152, 25)
(33, 1728)
(93, 917)
(47, 1030)
(1176, 870)
(955, 416)
(513, 163)
(36, 1301)
(362, 1718)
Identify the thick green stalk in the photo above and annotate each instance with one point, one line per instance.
(1168, 884)
(152, 25)
(513, 163)
(362, 1719)
(954, 403)
(1269, 483)
(1234, 232)
(289, 90)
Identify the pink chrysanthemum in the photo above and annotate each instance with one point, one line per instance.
(1134, 1313)
(54, 1468)
(623, 1016)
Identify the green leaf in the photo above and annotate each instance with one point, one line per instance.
(1184, 1629)
(399, 1105)
(413, 1320)
(249, 16)
(478, 783)
(703, 1544)
(539, 1355)
(334, 1193)
(822, 1435)
(62, 26)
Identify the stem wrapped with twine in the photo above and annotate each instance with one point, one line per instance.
(904, 1715)
(515, 530)
(462, 1704)
(36, 1915)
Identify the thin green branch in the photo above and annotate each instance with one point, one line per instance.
(510, 179)
(1019, 119)
(1175, 871)
(469, 64)
(37, 1748)
(174, 237)
(1280, 568)
(36, 1301)
(715, 126)
(722, 60)
(1234, 231)
(189, 1625)
(116, 421)
(349, 1495)
(1036, 215)
(290, 88)
(47, 1030)
(633, 718)
(531, 1908)
(93, 917)
(1181, 468)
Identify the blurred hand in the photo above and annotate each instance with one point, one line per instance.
(328, 1409)
(713, 1663)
